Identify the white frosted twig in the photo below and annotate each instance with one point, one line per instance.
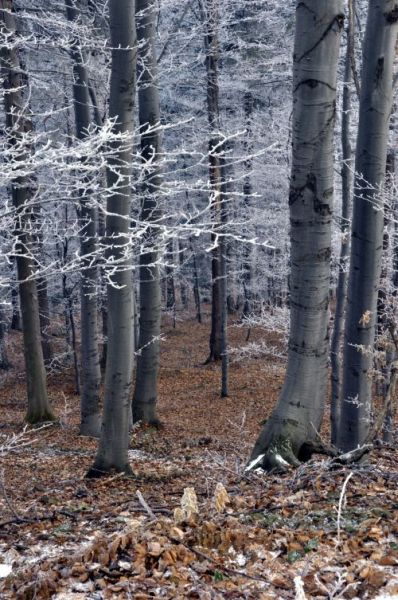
(340, 508)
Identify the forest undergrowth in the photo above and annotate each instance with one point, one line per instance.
(190, 523)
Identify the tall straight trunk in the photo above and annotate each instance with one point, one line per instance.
(113, 445)
(346, 178)
(45, 319)
(90, 363)
(299, 411)
(211, 19)
(4, 361)
(146, 385)
(196, 285)
(368, 221)
(18, 124)
(101, 236)
(184, 298)
(247, 193)
(170, 285)
(16, 324)
(224, 286)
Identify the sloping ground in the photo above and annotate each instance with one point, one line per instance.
(312, 533)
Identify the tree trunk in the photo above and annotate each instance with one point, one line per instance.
(196, 286)
(45, 320)
(247, 194)
(16, 324)
(4, 361)
(346, 178)
(113, 445)
(19, 124)
(211, 19)
(90, 363)
(146, 385)
(299, 411)
(367, 225)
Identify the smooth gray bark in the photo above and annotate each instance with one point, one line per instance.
(17, 124)
(113, 445)
(368, 222)
(146, 385)
(299, 411)
(90, 362)
(346, 178)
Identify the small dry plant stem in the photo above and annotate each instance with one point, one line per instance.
(341, 502)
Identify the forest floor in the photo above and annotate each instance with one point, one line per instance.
(316, 532)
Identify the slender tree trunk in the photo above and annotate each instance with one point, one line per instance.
(367, 225)
(247, 193)
(18, 124)
(196, 286)
(4, 361)
(346, 178)
(45, 320)
(224, 287)
(101, 236)
(170, 286)
(113, 445)
(182, 284)
(299, 411)
(211, 19)
(146, 385)
(16, 324)
(90, 363)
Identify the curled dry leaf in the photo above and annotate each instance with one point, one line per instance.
(221, 498)
(189, 506)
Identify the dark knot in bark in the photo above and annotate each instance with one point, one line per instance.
(392, 15)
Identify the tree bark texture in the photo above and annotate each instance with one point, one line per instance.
(18, 124)
(4, 361)
(112, 451)
(211, 19)
(146, 385)
(346, 178)
(299, 411)
(90, 362)
(367, 222)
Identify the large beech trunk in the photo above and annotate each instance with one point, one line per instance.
(18, 124)
(146, 386)
(299, 411)
(90, 363)
(113, 445)
(367, 222)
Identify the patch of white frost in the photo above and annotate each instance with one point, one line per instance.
(254, 462)
(5, 570)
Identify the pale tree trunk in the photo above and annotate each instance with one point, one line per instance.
(367, 222)
(45, 319)
(184, 297)
(17, 124)
(247, 194)
(299, 411)
(196, 285)
(114, 439)
(146, 385)
(211, 20)
(90, 363)
(346, 177)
